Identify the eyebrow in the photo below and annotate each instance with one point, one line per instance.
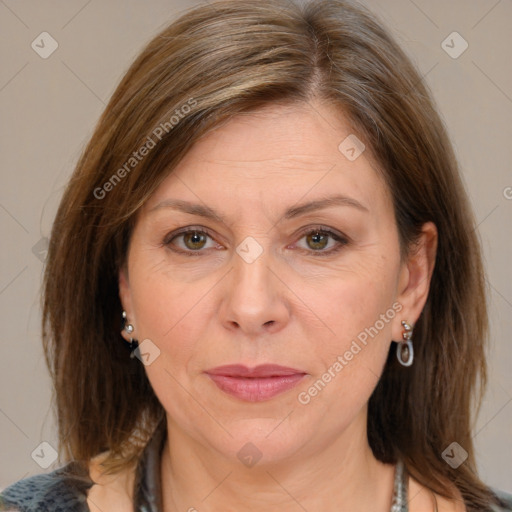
(292, 212)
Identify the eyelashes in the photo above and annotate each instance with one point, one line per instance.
(184, 234)
(194, 241)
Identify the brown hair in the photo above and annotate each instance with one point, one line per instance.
(220, 60)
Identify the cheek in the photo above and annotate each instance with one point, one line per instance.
(359, 308)
(350, 361)
(171, 315)
(167, 313)
(355, 299)
(161, 297)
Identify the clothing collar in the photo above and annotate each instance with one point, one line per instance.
(147, 494)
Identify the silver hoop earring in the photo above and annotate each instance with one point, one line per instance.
(133, 343)
(404, 349)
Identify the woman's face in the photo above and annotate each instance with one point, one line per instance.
(280, 276)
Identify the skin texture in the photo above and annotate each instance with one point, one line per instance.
(290, 306)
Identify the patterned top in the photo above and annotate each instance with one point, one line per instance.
(65, 489)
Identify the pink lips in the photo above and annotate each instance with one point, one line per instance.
(255, 384)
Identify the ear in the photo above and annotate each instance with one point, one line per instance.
(414, 278)
(125, 297)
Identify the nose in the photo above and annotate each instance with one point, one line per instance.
(255, 299)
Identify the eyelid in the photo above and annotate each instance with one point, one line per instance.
(187, 229)
(183, 231)
(340, 239)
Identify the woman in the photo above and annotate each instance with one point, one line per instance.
(271, 215)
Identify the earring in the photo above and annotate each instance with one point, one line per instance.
(404, 349)
(133, 343)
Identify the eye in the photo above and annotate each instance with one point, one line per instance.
(192, 241)
(317, 240)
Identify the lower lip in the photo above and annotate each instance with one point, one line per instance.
(256, 389)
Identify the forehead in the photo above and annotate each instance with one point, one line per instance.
(278, 154)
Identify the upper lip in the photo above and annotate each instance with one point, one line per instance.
(263, 370)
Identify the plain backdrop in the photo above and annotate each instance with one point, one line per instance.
(49, 107)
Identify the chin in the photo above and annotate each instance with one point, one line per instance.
(258, 441)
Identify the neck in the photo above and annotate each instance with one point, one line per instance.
(343, 475)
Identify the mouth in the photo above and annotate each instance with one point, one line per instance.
(255, 384)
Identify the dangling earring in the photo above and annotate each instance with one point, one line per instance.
(404, 349)
(133, 343)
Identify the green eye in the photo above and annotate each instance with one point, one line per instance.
(191, 242)
(194, 240)
(318, 239)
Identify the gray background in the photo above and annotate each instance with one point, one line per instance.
(49, 107)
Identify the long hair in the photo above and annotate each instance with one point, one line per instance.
(224, 59)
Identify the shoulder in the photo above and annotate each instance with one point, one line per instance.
(62, 490)
(112, 492)
(506, 501)
(71, 488)
(423, 500)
